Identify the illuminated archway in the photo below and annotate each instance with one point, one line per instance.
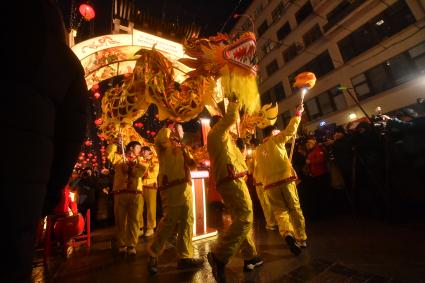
(112, 55)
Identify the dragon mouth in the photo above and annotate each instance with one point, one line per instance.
(242, 54)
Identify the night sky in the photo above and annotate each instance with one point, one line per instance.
(211, 15)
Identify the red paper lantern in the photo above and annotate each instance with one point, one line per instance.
(153, 133)
(138, 125)
(90, 155)
(88, 143)
(87, 11)
(98, 122)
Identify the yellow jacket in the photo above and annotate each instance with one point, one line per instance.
(174, 180)
(271, 157)
(128, 175)
(174, 161)
(254, 168)
(151, 175)
(227, 161)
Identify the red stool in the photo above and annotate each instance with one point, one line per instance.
(59, 226)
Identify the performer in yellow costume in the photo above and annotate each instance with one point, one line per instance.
(175, 188)
(150, 189)
(278, 177)
(229, 169)
(127, 190)
(262, 196)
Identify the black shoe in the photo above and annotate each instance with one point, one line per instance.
(250, 265)
(217, 267)
(152, 265)
(189, 263)
(293, 245)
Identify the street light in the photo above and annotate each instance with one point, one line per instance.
(352, 116)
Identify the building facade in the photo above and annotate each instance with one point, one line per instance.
(376, 48)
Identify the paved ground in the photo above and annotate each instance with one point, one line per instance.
(341, 249)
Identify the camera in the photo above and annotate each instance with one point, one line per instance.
(378, 122)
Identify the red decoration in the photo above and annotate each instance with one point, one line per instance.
(90, 155)
(98, 122)
(88, 143)
(138, 125)
(95, 87)
(97, 95)
(153, 133)
(87, 11)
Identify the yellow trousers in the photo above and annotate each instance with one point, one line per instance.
(127, 209)
(287, 210)
(265, 205)
(149, 196)
(175, 214)
(239, 236)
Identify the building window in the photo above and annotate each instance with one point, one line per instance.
(320, 66)
(277, 13)
(341, 11)
(392, 20)
(312, 35)
(391, 73)
(304, 12)
(268, 47)
(417, 54)
(290, 53)
(272, 68)
(327, 102)
(266, 98)
(285, 117)
(312, 109)
(278, 92)
(273, 95)
(283, 31)
(263, 28)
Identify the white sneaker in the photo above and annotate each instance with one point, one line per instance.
(122, 249)
(302, 243)
(271, 228)
(149, 233)
(131, 250)
(141, 233)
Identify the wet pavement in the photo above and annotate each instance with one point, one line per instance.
(340, 249)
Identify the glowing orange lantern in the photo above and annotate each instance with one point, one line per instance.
(87, 11)
(305, 80)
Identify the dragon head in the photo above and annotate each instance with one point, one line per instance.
(266, 116)
(231, 59)
(211, 56)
